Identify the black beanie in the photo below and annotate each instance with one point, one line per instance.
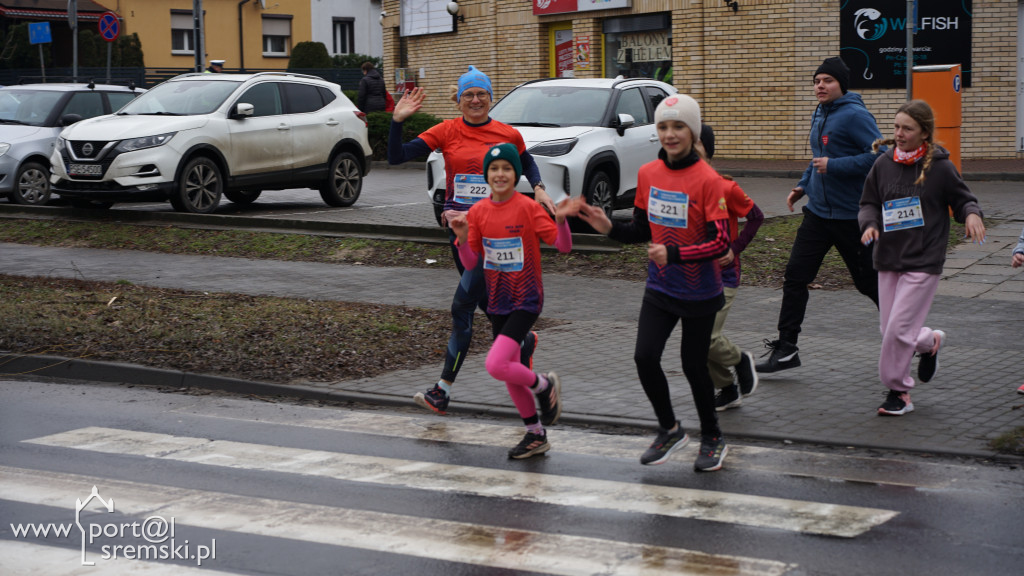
(836, 68)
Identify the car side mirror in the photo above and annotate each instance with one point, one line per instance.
(69, 119)
(241, 111)
(624, 121)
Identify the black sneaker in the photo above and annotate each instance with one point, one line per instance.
(531, 445)
(434, 399)
(728, 397)
(550, 400)
(527, 348)
(929, 363)
(664, 445)
(783, 356)
(896, 404)
(711, 455)
(746, 374)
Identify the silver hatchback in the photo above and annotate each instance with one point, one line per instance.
(31, 117)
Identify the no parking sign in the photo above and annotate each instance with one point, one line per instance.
(110, 26)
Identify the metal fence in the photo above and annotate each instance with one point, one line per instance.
(347, 78)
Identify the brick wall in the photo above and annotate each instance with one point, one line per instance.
(751, 70)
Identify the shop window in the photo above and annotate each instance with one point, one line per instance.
(636, 47)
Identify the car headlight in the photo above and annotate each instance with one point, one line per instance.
(554, 147)
(4, 147)
(144, 142)
(60, 145)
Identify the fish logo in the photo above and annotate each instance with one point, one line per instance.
(862, 20)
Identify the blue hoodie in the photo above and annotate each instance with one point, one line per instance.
(842, 130)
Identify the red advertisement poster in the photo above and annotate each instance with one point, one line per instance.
(553, 6)
(563, 53)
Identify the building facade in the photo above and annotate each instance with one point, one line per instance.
(348, 26)
(748, 62)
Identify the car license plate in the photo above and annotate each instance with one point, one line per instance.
(85, 170)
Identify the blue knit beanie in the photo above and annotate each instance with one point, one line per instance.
(504, 151)
(474, 79)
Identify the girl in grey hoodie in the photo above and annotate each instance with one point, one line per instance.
(904, 210)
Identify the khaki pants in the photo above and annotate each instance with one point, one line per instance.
(723, 354)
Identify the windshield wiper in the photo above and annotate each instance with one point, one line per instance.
(536, 124)
(159, 114)
(9, 121)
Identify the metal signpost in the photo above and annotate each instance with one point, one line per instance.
(39, 33)
(73, 23)
(110, 27)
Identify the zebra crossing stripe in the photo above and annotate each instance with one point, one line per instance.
(28, 559)
(750, 510)
(463, 542)
(805, 463)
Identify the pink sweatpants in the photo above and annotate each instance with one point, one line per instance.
(904, 299)
(503, 364)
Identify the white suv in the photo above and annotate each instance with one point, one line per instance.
(589, 137)
(197, 137)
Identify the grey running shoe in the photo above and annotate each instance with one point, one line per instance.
(550, 400)
(664, 445)
(728, 397)
(434, 399)
(712, 453)
(531, 445)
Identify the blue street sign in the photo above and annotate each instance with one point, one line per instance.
(109, 26)
(39, 33)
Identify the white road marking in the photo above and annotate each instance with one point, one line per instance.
(24, 558)
(760, 511)
(626, 447)
(393, 533)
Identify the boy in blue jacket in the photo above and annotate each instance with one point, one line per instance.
(842, 131)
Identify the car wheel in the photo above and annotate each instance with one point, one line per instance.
(438, 205)
(242, 196)
(86, 204)
(33, 185)
(600, 192)
(344, 181)
(200, 187)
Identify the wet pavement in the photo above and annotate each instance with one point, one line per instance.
(831, 399)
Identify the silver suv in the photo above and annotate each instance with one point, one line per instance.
(198, 137)
(31, 117)
(589, 137)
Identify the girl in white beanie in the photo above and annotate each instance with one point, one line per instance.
(681, 209)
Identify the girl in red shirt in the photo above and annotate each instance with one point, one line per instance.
(506, 229)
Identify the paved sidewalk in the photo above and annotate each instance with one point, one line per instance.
(831, 399)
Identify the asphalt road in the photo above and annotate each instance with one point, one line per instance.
(286, 488)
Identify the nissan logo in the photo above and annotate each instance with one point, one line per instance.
(87, 149)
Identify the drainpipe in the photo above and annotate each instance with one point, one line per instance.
(241, 44)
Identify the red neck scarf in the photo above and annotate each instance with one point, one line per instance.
(910, 157)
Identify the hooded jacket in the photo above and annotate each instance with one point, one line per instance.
(371, 92)
(923, 248)
(843, 131)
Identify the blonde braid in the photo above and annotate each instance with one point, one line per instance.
(882, 142)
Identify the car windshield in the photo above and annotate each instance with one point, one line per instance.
(30, 107)
(184, 98)
(552, 106)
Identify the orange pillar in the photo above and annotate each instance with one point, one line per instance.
(940, 86)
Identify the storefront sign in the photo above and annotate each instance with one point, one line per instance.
(873, 39)
(562, 6)
(644, 47)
